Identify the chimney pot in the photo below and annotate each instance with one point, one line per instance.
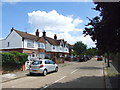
(44, 33)
(55, 37)
(37, 33)
(12, 29)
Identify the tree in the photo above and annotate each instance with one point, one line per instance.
(105, 31)
(91, 51)
(79, 48)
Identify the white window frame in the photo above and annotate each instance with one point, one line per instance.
(30, 43)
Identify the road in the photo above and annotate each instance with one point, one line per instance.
(76, 75)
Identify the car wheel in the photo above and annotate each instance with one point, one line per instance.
(56, 69)
(45, 72)
(30, 73)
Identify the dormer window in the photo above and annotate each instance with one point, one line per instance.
(8, 44)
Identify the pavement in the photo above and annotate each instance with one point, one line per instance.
(20, 74)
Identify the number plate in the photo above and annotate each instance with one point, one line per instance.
(34, 70)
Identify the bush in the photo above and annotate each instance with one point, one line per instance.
(13, 58)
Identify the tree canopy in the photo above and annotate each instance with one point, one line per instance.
(79, 48)
(105, 28)
(91, 51)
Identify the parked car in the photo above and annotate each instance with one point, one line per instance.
(43, 66)
(82, 58)
(99, 58)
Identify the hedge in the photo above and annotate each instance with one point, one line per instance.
(13, 58)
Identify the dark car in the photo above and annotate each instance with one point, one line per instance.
(82, 58)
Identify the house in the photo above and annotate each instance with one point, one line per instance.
(34, 45)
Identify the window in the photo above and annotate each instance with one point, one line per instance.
(65, 49)
(51, 62)
(53, 47)
(41, 45)
(8, 44)
(41, 55)
(60, 48)
(36, 62)
(30, 43)
(47, 62)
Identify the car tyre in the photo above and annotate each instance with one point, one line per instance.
(56, 69)
(30, 73)
(45, 72)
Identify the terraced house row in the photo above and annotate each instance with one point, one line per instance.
(34, 45)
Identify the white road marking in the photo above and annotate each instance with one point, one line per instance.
(59, 79)
(74, 71)
(53, 83)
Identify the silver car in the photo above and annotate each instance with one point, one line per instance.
(43, 66)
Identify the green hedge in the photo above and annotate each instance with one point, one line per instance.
(13, 58)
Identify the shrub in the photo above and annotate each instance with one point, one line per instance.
(13, 58)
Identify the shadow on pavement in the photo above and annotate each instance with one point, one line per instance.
(115, 81)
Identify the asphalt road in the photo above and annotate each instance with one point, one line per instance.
(76, 75)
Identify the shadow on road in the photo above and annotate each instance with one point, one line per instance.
(38, 75)
(90, 68)
(82, 82)
(86, 82)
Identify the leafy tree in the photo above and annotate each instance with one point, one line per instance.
(105, 29)
(91, 51)
(79, 48)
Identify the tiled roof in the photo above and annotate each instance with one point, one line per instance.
(51, 41)
(42, 39)
(27, 36)
(39, 39)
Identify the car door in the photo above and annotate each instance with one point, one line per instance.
(52, 65)
(47, 65)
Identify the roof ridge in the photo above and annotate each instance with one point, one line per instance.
(25, 32)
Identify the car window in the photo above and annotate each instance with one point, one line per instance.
(36, 62)
(51, 62)
(47, 62)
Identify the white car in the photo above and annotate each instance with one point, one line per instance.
(42, 66)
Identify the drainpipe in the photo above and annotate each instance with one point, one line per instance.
(23, 44)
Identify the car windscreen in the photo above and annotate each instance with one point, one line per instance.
(36, 62)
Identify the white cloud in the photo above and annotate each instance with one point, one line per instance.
(53, 22)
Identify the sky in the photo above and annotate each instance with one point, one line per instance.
(66, 19)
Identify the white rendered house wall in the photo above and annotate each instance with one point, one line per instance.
(13, 40)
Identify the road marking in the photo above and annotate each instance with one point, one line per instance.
(59, 79)
(74, 71)
(53, 83)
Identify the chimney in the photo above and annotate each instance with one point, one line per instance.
(12, 29)
(44, 33)
(37, 33)
(55, 37)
